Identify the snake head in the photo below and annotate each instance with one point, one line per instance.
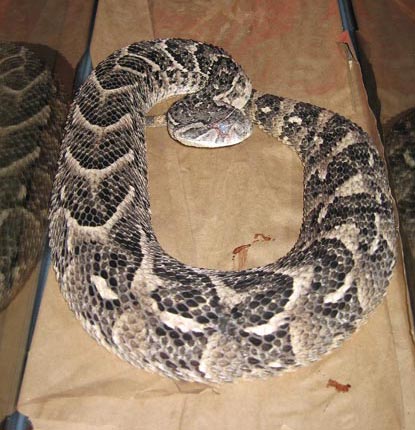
(207, 124)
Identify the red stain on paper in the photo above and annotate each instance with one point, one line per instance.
(240, 249)
(341, 388)
(240, 253)
(259, 237)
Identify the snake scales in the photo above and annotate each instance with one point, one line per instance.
(400, 152)
(32, 115)
(199, 324)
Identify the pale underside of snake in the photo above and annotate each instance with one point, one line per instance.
(201, 324)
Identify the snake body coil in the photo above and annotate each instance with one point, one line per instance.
(32, 114)
(198, 324)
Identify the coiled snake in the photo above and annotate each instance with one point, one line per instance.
(199, 324)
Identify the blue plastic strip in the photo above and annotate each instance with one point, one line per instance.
(17, 421)
(84, 66)
(349, 22)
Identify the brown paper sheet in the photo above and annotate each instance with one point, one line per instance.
(206, 204)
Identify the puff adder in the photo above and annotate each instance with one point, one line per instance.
(32, 116)
(200, 324)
